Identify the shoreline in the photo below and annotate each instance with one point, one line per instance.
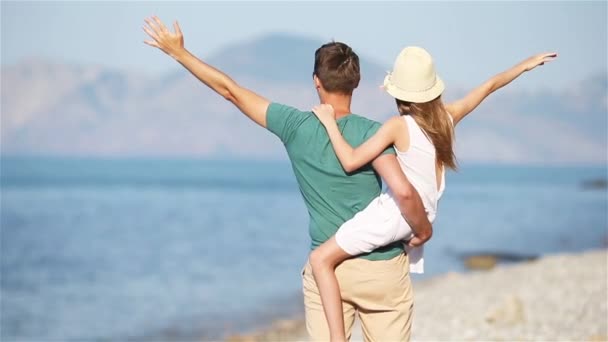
(555, 297)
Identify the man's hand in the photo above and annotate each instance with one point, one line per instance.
(406, 196)
(170, 43)
(248, 102)
(325, 113)
(416, 241)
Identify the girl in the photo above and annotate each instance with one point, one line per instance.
(422, 136)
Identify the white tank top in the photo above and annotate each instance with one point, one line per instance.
(418, 164)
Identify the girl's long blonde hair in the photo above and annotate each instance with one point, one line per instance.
(434, 121)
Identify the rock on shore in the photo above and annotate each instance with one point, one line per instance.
(557, 298)
(560, 297)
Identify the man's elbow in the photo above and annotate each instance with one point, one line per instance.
(403, 193)
(425, 234)
(229, 92)
(228, 95)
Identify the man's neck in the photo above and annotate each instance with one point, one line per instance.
(340, 102)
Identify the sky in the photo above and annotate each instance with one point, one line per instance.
(470, 41)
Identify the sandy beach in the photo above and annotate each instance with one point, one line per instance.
(562, 297)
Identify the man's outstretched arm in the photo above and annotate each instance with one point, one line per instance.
(406, 196)
(248, 102)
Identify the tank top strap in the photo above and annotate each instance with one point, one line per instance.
(417, 136)
(408, 123)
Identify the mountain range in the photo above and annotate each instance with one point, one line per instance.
(56, 108)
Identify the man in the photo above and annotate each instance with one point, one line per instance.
(376, 285)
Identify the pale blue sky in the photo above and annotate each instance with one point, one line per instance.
(469, 40)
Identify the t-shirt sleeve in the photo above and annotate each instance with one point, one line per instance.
(284, 120)
(375, 126)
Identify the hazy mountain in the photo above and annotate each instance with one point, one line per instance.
(55, 108)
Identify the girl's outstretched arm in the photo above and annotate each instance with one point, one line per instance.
(464, 106)
(354, 158)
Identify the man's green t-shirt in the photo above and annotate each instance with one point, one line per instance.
(331, 195)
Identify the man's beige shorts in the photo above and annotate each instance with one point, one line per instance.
(380, 291)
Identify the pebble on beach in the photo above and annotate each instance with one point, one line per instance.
(556, 298)
(560, 297)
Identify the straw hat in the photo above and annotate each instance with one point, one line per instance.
(413, 78)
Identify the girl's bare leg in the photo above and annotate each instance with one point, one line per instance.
(323, 261)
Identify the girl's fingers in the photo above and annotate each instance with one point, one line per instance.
(547, 56)
(547, 60)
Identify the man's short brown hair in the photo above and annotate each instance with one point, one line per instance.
(337, 67)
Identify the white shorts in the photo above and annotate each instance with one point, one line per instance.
(379, 224)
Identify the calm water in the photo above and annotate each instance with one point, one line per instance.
(180, 249)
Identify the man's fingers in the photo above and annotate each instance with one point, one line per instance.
(160, 24)
(151, 23)
(152, 27)
(177, 29)
(150, 33)
(415, 242)
(151, 43)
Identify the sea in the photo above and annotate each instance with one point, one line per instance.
(97, 249)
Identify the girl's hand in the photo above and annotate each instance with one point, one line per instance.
(539, 59)
(168, 42)
(325, 113)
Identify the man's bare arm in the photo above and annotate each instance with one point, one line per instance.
(248, 102)
(406, 196)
